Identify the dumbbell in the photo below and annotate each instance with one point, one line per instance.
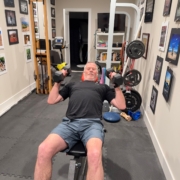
(58, 75)
(117, 79)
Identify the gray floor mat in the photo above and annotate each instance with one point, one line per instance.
(20, 160)
(132, 165)
(8, 177)
(6, 144)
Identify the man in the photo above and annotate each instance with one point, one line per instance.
(82, 121)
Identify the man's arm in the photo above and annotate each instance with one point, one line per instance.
(119, 100)
(54, 96)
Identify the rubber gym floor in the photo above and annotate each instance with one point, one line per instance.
(128, 152)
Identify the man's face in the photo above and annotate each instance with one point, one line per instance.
(90, 72)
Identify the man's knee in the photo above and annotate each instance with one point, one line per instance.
(94, 157)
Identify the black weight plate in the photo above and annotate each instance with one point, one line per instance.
(132, 78)
(135, 49)
(133, 100)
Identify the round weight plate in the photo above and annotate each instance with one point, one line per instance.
(135, 49)
(133, 100)
(132, 78)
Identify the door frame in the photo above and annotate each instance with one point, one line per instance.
(66, 13)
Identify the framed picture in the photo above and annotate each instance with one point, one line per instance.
(52, 12)
(141, 12)
(24, 24)
(3, 67)
(177, 15)
(164, 31)
(157, 69)
(167, 83)
(1, 40)
(173, 50)
(167, 7)
(145, 40)
(9, 3)
(23, 6)
(10, 18)
(26, 39)
(53, 33)
(142, 1)
(28, 54)
(53, 23)
(149, 11)
(13, 36)
(53, 2)
(153, 100)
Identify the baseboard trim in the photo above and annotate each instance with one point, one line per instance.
(163, 161)
(6, 105)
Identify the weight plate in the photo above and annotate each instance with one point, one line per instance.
(132, 78)
(135, 49)
(133, 100)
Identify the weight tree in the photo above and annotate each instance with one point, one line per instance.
(44, 57)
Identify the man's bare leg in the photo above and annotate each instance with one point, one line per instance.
(47, 149)
(94, 156)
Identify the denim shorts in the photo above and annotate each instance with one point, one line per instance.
(79, 129)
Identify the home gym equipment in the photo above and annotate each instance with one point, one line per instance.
(117, 78)
(58, 75)
(133, 100)
(41, 57)
(135, 49)
(111, 117)
(125, 116)
(77, 165)
(132, 78)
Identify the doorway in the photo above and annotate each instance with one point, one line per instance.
(78, 31)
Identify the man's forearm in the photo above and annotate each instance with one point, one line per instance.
(120, 100)
(54, 93)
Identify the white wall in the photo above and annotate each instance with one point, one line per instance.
(18, 81)
(164, 125)
(96, 6)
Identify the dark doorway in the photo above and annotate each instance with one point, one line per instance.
(78, 24)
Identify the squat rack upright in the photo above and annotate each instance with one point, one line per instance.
(45, 55)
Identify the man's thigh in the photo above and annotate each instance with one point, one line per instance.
(68, 132)
(95, 129)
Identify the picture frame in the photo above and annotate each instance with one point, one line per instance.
(172, 55)
(3, 66)
(10, 18)
(145, 40)
(28, 54)
(9, 3)
(157, 69)
(24, 24)
(163, 36)
(53, 2)
(153, 100)
(52, 12)
(13, 36)
(167, 83)
(167, 7)
(1, 40)
(23, 7)
(53, 23)
(26, 39)
(149, 11)
(53, 33)
(177, 14)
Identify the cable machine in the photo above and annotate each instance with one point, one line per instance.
(41, 59)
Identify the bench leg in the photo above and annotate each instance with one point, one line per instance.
(72, 168)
